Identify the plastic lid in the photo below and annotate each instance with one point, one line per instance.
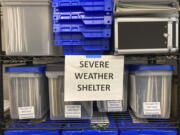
(55, 67)
(27, 68)
(151, 67)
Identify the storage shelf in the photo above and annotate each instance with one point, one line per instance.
(173, 123)
(120, 121)
(60, 125)
(24, 59)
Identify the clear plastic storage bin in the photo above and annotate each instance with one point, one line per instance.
(27, 28)
(115, 105)
(60, 110)
(28, 92)
(150, 92)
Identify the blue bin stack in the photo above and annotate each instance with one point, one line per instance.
(82, 27)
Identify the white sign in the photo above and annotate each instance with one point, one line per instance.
(152, 108)
(26, 112)
(114, 105)
(72, 111)
(94, 79)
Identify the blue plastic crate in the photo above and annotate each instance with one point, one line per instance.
(27, 124)
(74, 129)
(78, 50)
(86, 18)
(81, 36)
(95, 48)
(153, 127)
(31, 132)
(25, 127)
(77, 39)
(86, 31)
(90, 5)
(85, 42)
(148, 132)
(88, 48)
(87, 129)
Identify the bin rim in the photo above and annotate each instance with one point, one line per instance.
(26, 68)
(140, 67)
(54, 74)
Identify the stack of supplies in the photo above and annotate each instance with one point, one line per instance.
(82, 27)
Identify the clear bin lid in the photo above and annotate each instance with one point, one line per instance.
(55, 67)
(27, 68)
(151, 67)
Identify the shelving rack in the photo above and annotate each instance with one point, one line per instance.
(4, 59)
(173, 122)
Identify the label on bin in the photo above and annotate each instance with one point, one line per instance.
(94, 78)
(114, 105)
(72, 111)
(26, 112)
(152, 108)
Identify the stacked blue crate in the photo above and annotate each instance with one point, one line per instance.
(87, 5)
(26, 128)
(82, 26)
(152, 127)
(88, 129)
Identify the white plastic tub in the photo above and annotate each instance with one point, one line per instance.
(150, 92)
(27, 92)
(27, 28)
(60, 110)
